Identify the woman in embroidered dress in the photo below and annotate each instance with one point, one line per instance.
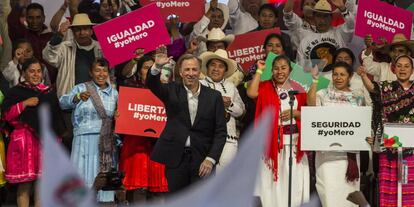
(272, 186)
(20, 109)
(393, 103)
(93, 146)
(142, 175)
(337, 173)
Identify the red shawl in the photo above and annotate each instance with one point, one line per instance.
(269, 98)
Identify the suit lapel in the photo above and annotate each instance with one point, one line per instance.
(201, 104)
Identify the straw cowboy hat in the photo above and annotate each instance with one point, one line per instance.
(221, 55)
(217, 35)
(322, 6)
(223, 8)
(81, 19)
(398, 39)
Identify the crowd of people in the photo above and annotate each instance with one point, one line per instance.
(210, 100)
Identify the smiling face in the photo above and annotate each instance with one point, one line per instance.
(33, 74)
(216, 69)
(99, 75)
(403, 69)
(190, 72)
(341, 78)
(281, 71)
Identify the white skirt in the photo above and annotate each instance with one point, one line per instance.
(331, 183)
(275, 193)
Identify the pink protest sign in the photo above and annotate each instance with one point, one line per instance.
(142, 28)
(187, 10)
(382, 20)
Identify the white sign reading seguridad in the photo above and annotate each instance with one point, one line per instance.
(335, 128)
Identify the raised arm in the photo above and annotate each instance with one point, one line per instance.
(253, 86)
(367, 82)
(56, 19)
(128, 69)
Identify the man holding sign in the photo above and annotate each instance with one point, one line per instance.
(195, 133)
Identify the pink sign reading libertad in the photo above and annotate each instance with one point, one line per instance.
(142, 28)
(380, 19)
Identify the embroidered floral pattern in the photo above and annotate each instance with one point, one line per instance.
(398, 104)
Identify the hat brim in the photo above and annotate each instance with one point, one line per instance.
(207, 56)
(228, 39)
(318, 10)
(78, 25)
(387, 48)
(226, 13)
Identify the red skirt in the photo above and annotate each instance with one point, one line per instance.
(140, 171)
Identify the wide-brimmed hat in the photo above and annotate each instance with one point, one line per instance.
(81, 19)
(398, 39)
(219, 54)
(217, 35)
(223, 8)
(322, 6)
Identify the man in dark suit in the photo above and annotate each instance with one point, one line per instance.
(195, 133)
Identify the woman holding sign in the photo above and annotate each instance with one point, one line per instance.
(272, 187)
(337, 173)
(393, 103)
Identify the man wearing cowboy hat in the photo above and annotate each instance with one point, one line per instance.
(382, 71)
(325, 38)
(217, 16)
(216, 39)
(73, 58)
(217, 67)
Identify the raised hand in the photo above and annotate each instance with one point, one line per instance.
(161, 57)
(260, 64)
(361, 71)
(194, 44)
(63, 28)
(340, 4)
(18, 55)
(315, 72)
(139, 53)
